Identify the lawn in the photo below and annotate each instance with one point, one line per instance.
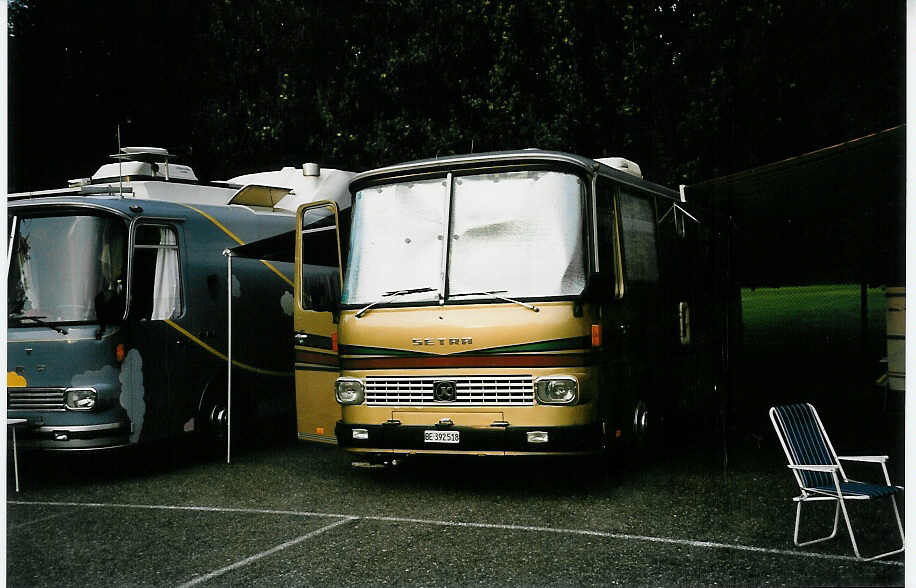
(821, 313)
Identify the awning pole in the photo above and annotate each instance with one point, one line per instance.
(228, 255)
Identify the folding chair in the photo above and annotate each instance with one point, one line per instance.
(819, 474)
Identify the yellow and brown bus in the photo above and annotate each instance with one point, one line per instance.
(512, 303)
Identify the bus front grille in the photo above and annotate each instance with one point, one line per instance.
(35, 399)
(470, 390)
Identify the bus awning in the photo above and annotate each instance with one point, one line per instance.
(835, 215)
(277, 248)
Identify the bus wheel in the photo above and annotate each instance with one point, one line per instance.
(641, 424)
(212, 414)
(648, 428)
(218, 419)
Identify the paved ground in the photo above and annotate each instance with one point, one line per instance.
(302, 515)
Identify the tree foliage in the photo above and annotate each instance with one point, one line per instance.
(690, 90)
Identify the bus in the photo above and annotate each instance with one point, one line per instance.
(522, 302)
(117, 298)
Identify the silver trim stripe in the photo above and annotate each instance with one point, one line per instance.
(485, 390)
(35, 399)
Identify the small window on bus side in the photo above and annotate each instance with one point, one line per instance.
(637, 218)
(608, 242)
(155, 274)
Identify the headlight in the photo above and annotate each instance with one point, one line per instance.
(349, 391)
(557, 390)
(80, 398)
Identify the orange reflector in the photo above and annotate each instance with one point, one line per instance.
(119, 352)
(596, 335)
(319, 430)
(333, 341)
(618, 433)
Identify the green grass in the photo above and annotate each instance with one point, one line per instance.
(818, 311)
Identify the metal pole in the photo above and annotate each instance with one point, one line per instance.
(15, 458)
(228, 255)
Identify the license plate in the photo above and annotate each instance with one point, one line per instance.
(441, 436)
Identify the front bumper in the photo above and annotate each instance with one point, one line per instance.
(72, 437)
(409, 439)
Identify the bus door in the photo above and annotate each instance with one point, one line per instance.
(632, 344)
(678, 263)
(318, 279)
(151, 373)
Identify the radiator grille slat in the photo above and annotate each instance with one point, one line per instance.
(35, 399)
(472, 390)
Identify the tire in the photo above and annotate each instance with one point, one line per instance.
(212, 414)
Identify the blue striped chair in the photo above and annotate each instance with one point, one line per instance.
(819, 473)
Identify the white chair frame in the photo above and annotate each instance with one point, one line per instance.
(838, 475)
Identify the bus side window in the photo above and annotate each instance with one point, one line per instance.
(320, 287)
(639, 247)
(320, 267)
(608, 250)
(155, 274)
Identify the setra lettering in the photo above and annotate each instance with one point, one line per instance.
(422, 341)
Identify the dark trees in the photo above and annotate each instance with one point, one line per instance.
(689, 90)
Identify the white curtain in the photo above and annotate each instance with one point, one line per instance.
(29, 284)
(166, 294)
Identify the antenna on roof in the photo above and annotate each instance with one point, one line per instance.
(120, 175)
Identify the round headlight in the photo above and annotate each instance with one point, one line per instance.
(349, 391)
(557, 390)
(80, 398)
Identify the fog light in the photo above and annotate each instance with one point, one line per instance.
(361, 434)
(557, 390)
(80, 398)
(538, 437)
(349, 391)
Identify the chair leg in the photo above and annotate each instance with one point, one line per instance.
(836, 520)
(899, 523)
(852, 537)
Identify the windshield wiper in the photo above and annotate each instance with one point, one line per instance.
(365, 309)
(37, 320)
(496, 294)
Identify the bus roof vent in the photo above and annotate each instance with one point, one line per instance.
(149, 163)
(624, 165)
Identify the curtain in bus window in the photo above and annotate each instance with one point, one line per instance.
(30, 286)
(640, 256)
(114, 248)
(518, 232)
(166, 294)
(398, 232)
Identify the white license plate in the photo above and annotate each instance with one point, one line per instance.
(441, 436)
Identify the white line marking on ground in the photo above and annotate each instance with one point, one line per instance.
(533, 529)
(271, 551)
(40, 520)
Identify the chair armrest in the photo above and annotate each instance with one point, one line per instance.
(869, 458)
(815, 468)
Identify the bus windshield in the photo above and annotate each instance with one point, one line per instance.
(67, 269)
(516, 233)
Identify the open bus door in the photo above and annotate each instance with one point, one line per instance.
(318, 279)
